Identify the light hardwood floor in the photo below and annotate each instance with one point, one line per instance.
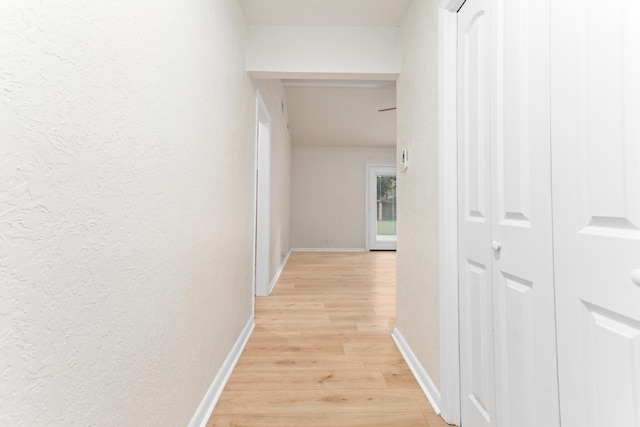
(322, 355)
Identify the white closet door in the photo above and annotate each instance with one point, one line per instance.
(524, 306)
(474, 216)
(595, 76)
(507, 307)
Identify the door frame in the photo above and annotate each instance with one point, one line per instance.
(262, 198)
(368, 225)
(448, 210)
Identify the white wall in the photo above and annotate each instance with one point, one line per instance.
(126, 207)
(292, 51)
(272, 93)
(417, 249)
(328, 195)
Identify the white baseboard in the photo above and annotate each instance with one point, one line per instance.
(208, 403)
(426, 383)
(328, 250)
(278, 273)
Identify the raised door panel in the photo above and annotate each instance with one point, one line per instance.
(513, 133)
(612, 367)
(518, 342)
(474, 135)
(477, 320)
(474, 158)
(607, 106)
(596, 180)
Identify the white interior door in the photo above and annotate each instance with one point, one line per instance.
(521, 217)
(381, 203)
(595, 76)
(507, 309)
(477, 380)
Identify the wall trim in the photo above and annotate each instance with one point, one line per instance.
(448, 209)
(210, 399)
(350, 148)
(422, 376)
(328, 250)
(303, 75)
(278, 273)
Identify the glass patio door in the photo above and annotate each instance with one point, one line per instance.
(381, 208)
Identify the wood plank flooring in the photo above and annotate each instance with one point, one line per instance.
(322, 355)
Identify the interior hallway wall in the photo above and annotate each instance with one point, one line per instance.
(417, 250)
(126, 207)
(328, 195)
(272, 93)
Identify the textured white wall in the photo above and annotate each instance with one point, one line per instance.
(272, 93)
(328, 195)
(417, 249)
(126, 207)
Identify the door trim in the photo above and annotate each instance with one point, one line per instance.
(263, 198)
(448, 210)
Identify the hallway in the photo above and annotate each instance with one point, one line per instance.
(321, 353)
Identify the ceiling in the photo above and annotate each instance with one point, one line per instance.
(335, 113)
(334, 13)
(341, 114)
